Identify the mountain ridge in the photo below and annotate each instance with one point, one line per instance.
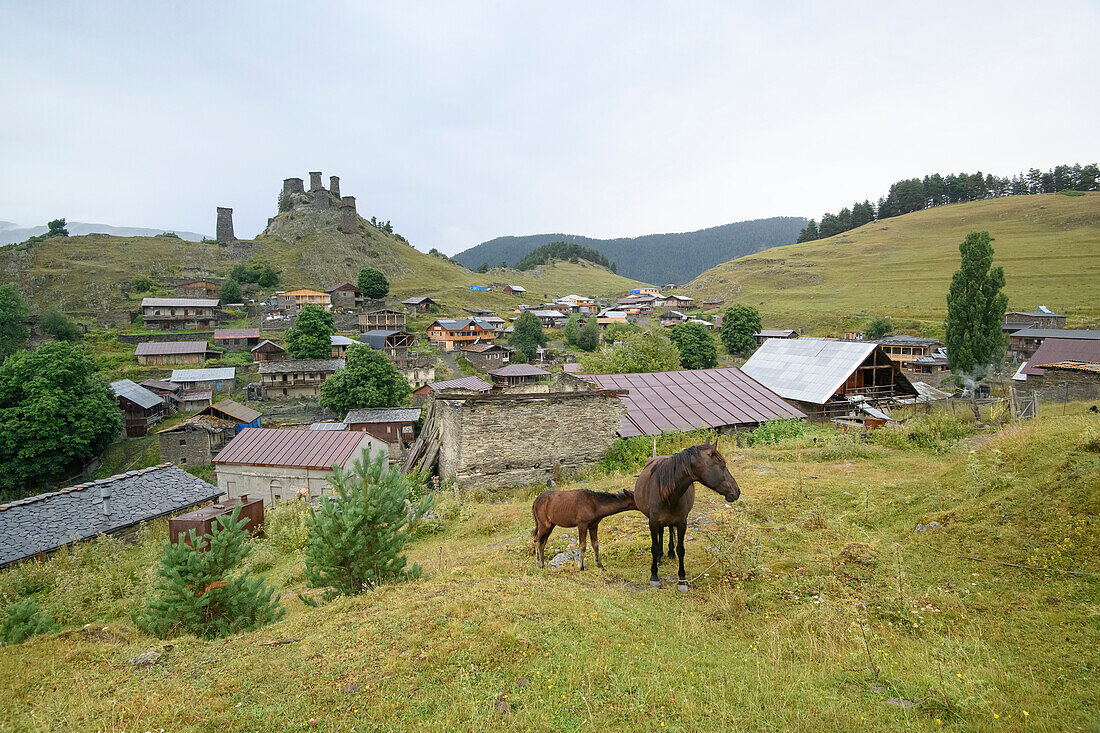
(12, 233)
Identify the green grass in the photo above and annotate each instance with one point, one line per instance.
(815, 605)
(1049, 246)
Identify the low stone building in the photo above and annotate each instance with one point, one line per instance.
(196, 440)
(516, 436)
(486, 356)
(419, 304)
(199, 289)
(1062, 369)
(236, 339)
(169, 314)
(284, 464)
(296, 377)
(345, 296)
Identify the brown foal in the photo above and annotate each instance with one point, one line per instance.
(578, 508)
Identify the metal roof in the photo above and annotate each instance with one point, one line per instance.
(902, 339)
(451, 324)
(1057, 351)
(1040, 311)
(693, 398)
(476, 384)
(235, 410)
(136, 393)
(161, 384)
(548, 313)
(1056, 333)
(236, 333)
(417, 300)
(179, 302)
(180, 376)
(290, 448)
(519, 370)
(518, 288)
(338, 340)
(160, 348)
(300, 365)
(196, 395)
(482, 347)
(328, 426)
(382, 415)
(806, 369)
(267, 342)
(376, 339)
(776, 333)
(46, 522)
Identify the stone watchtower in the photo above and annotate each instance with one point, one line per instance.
(334, 186)
(225, 226)
(349, 219)
(315, 181)
(292, 186)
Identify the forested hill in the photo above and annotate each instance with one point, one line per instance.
(653, 258)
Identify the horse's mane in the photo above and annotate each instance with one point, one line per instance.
(666, 471)
(604, 496)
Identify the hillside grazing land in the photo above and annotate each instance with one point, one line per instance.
(89, 276)
(816, 607)
(1049, 246)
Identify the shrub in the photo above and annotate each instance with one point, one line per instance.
(56, 324)
(24, 619)
(357, 536)
(197, 593)
(773, 431)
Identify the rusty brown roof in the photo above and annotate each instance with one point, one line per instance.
(236, 333)
(160, 348)
(693, 398)
(235, 410)
(1055, 350)
(290, 448)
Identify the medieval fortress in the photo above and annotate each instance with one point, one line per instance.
(294, 190)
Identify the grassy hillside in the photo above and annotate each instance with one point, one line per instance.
(88, 276)
(654, 258)
(816, 606)
(1048, 244)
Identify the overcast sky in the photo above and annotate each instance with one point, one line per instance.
(463, 121)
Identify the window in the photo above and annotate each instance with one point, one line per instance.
(183, 441)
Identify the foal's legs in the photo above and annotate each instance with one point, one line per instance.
(595, 542)
(680, 529)
(656, 535)
(582, 530)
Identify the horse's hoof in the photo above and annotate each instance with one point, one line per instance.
(540, 564)
(683, 587)
(655, 583)
(599, 566)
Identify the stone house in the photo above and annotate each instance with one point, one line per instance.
(236, 339)
(199, 289)
(285, 464)
(219, 380)
(1023, 344)
(173, 352)
(385, 319)
(1063, 369)
(486, 356)
(141, 408)
(1043, 317)
(196, 440)
(267, 351)
(170, 314)
(296, 377)
(345, 296)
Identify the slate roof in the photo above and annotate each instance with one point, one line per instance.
(416, 301)
(1057, 351)
(382, 415)
(49, 521)
(290, 448)
(548, 313)
(236, 333)
(156, 348)
(902, 339)
(345, 286)
(1056, 333)
(476, 384)
(179, 302)
(479, 348)
(693, 398)
(237, 411)
(136, 393)
(300, 365)
(806, 369)
(519, 370)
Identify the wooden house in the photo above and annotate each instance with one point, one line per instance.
(419, 304)
(451, 335)
(549, 318)
(394, 344)
(241, 415)
(486, 356)
(383, 318)
(340, 345)
(515, 290)
(296, 377)
(220, 380)
(294, 300)
(267, 351)
(345, 296)
(236, 339)
(173, 352)
(393, 425)
(199, 289)
(141, 408)
(904, 349)
(167, 391)
(772, 333)
(576, 304)
(171, 314)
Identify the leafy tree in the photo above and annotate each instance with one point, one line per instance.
(482, 268)
(975, 310)
(527, 335)
(54, 323)
(230, 291)
(311, 337)
(618, 331)
(56, 412)
(635, 352)
(198, 592)
(878, 328)
(14, 331)
(589, 336)
(142, 284)
(373, 284)
(268, 276)
(572, 330)
(368, 379)
(696, 346)
(24, 619)
(357, 536)
(740, 323)
(57, 228)
(260, 273)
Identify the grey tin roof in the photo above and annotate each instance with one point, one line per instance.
(806, 369)
(1056, 333)
(382, 414)
(47, 522)
(181, 376)
(179, 302)
(136, 393)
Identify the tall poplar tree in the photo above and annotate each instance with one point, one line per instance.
(975, 310)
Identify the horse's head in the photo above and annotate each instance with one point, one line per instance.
(710, 470)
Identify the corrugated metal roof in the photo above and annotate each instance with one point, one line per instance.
(236, 333)
(1059, 350)
(300, 365)
(776, 333)
(338, 340)
(163, 348)
(217, 374)
(179, 302)
(328, 426)
(693, 398)
(161, 384)
(235, 410)
(806, 369)
(416, 301)
(519, 370)
(382, 415)
(476, 384)
(290, 448)
(902, 339)
(1057, 333)
(136, 393)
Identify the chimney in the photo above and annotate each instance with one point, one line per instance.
(105, 496)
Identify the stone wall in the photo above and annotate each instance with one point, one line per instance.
(225, 225)
(1052, 385)
(191, 447)
(531, 439)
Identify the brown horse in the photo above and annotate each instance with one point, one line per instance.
(665, 492)
(578, 508)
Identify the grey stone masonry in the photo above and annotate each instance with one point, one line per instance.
(293, 185)
(334, 186)
(225, 225)
(349, 219)
(321, 199)
(315, 181)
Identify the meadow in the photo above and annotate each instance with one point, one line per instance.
(815, 605)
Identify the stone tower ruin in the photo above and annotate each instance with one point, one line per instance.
(225, 226)
(349, 219)
(315, 181)
(334, 186)
(292, 186)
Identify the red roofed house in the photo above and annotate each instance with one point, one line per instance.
(285, 464)
(236, 339)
